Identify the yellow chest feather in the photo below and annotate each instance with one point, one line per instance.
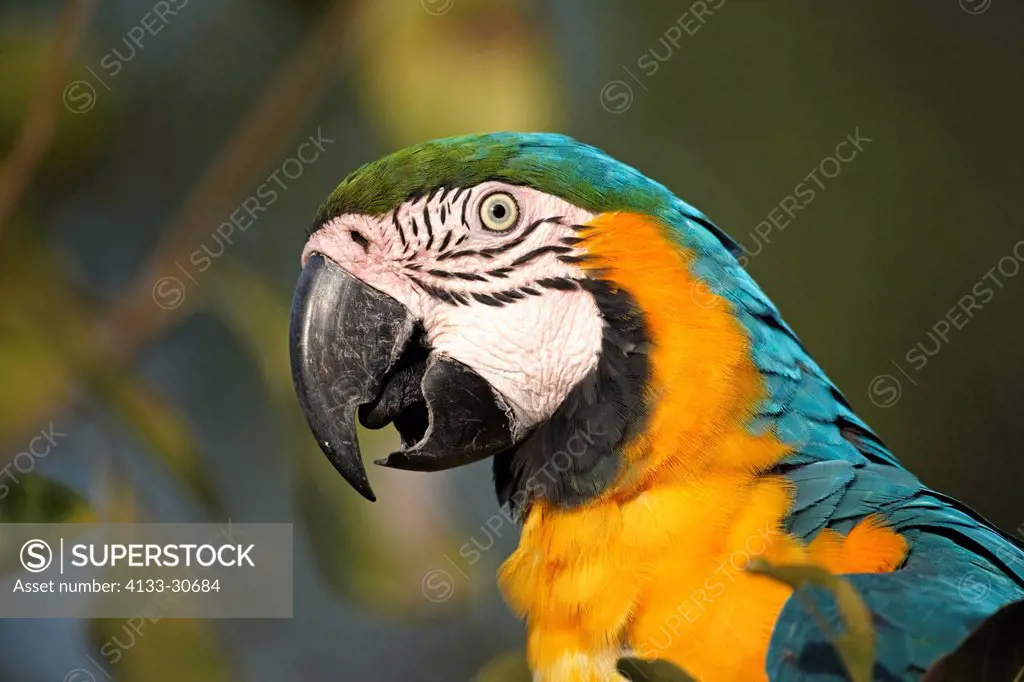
(664, 575)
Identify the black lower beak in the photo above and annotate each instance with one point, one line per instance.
(467, 420)
(356, 348)
(345, 336)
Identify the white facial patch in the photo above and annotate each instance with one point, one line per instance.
(506, 303)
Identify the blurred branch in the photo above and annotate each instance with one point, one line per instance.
(41, 119)
(291, 94)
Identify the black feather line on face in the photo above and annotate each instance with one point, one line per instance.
(577, 453)
(487, 253)
(538, 252)
(450, 297)
(504, 297)
(447, 238)
(398, 228)
(467, 276)
(491, 298)
(465, 203)
(463, 253)
(530, 229)
(493, 251)
(487, 300)
(430, 227)
(499, 298)
(559, 283)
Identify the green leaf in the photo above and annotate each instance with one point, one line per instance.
(508, 667)
(42, 333)
(856, 644)
(652, 671)
(512, 667)
(36, 499)
(31, 498)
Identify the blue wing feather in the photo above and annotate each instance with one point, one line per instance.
(960, 569)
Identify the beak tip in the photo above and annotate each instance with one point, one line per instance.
(359, 483)
(351, 469)
(402, 461)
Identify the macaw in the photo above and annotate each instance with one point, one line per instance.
(652, 419)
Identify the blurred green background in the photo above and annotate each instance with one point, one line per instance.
(130, 132)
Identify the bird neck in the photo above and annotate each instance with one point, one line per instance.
(703, 384)
(674, 392)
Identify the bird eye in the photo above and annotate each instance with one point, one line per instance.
(499, 212)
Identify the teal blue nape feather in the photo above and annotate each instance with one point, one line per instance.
(840, 470)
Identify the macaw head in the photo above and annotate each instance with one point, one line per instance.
(505, 295)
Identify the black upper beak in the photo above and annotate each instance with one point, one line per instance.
(354, 347)
(345, 336)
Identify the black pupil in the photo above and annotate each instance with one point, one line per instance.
(498, 211)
